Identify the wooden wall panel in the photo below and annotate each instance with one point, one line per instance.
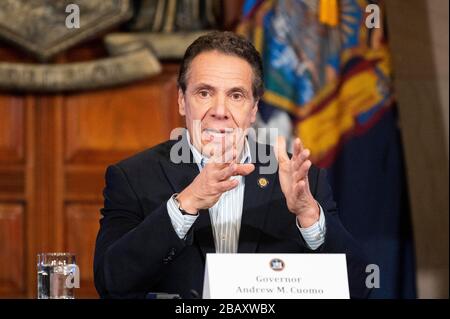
(84, 184)
(12, 183)
(11, 129)
(101, 127)
(81, 227)
(12, 274)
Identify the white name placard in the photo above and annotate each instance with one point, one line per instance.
(276, 276)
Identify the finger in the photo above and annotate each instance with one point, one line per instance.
(228, 143)
(214, 164)
(224, 152)
(302, 172)
(227, 185)
(214, 169)
(226, 172)
(238, 141)
(280, 150)
(235, 169)
(208, 150)
(221, 156)
(234, 146)
(244, 169)
(301, 143)
(229, 155)
(297, 162)
(297, 148)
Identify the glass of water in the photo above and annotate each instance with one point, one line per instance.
(57, 276)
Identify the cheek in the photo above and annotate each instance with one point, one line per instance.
(195, 110)
(243, 117)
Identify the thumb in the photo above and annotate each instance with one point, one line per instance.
(280, 150)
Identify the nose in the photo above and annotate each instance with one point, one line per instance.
(219, 110)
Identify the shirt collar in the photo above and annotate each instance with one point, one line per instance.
(201, 160)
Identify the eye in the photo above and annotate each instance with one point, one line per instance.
(204, 93)
(237, 96)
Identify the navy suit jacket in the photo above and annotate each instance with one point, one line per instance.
(138, 251)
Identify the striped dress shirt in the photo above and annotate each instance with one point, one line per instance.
(226, 214)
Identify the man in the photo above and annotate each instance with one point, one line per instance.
(161, 216)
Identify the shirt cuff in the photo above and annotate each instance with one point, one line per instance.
(314, 235)
(181, 223)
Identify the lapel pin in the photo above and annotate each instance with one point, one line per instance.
(262, 182)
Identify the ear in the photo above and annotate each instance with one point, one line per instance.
(253, 112)
(181, 104)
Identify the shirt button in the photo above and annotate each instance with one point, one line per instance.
(318, 236)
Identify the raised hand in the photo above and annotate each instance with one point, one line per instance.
(293, 174)
(214, 179)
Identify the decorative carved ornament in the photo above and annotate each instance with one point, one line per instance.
(39, 27)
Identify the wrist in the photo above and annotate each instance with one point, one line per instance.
(186, 203)
(310, 216)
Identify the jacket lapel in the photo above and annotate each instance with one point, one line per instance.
(181, 170)
(257, 197)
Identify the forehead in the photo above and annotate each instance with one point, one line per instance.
(217, 68)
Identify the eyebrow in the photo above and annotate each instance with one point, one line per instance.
(238, 89)
(203, 86)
